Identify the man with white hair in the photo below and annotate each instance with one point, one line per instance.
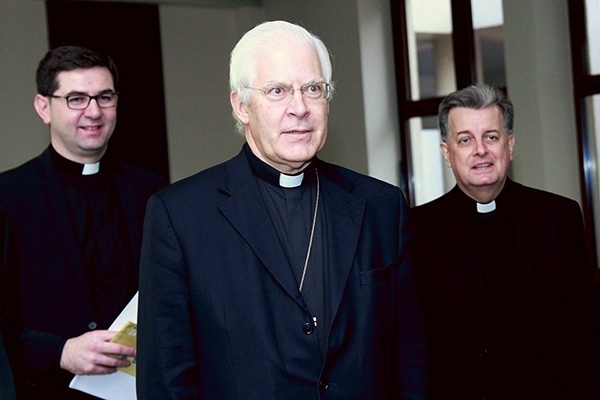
(276, 275)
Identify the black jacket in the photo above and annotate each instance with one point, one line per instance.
(50, 292)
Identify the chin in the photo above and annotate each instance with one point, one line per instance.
(301, 155)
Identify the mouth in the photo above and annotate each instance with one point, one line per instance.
(91, 128)
(482, 166)
(297, 132)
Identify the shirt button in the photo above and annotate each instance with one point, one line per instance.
(92, 325)
(308, 328)
(323, 385)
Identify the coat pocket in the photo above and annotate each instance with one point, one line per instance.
(375, 276)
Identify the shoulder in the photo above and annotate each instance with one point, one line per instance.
(28, 175)
(22, 188)
(529, 197)
(197, 187)
(356, 182)
(30, 167)
(139, 176)
(443, 203)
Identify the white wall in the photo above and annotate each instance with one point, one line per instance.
(201, 129)
(23, 42)
(336, 23)
(379, 90)
(539, 81)
(196, 42)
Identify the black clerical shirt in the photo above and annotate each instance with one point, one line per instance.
(292, 211)
(512, 352)
(95, 213)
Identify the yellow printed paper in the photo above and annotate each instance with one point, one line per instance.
(128, 337)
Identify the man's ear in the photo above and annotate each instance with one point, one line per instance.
(511, 145)
(445, 153)
(239, 108)
(42, 106)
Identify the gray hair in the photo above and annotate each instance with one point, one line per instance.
(242, 65)
(476, 97)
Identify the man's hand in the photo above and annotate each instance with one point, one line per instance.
(93, 354)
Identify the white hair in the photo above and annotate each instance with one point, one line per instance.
(242, 63)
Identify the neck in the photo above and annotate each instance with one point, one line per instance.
(483, 194)
(90, 158)
(286, 168)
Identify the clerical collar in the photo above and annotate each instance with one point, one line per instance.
(265, 172)
(291, 181)
(72, 168)
(487, 207)
(500, 202)
(91, 169)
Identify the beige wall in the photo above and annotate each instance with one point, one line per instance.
(201, 129)
(23, 42)
(539, 81)
(196, 43)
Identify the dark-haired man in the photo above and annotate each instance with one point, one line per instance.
(502, 268)
(75, 219)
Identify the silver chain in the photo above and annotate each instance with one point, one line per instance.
(312, 232)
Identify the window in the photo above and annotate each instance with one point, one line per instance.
(440, 46)
(584, 18)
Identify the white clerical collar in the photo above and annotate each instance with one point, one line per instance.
(91, 169)
(487, 207)
(290, 181)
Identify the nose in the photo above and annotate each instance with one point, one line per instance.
(480, 148)
(93, 110)
(297, 104)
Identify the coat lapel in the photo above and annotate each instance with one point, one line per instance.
(245, 210)
(344, 212)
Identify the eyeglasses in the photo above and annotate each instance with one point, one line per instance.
(276, 92)
(82, 101)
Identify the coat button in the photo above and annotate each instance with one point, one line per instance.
(323, 385)
(308, 328)
(483, 353)
(92, 325)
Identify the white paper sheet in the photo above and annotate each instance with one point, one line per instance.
(117, 386)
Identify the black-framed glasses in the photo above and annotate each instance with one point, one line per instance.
(277, 92)
(82, 101)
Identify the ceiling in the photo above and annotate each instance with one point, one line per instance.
(199, 3)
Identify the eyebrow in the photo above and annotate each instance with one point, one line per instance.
(315, 81)
(78, 93)
(311, 82)
(468, 132)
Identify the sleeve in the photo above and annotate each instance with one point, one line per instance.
(581, 327)
(412, 367)
(167, 367)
